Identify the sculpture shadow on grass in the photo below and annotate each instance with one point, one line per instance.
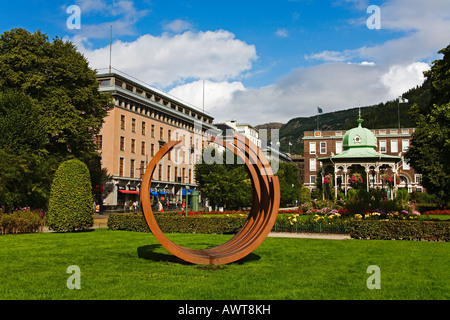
(150, 252)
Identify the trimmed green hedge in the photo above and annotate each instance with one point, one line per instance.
(401, 230)
(177, 224)
(363, 229)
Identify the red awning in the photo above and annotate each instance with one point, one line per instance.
(129, 192)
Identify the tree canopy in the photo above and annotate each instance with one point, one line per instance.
(429, 152)
(50, 111)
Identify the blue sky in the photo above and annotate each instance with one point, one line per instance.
(261, 61)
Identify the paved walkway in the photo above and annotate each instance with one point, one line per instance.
(327, 236)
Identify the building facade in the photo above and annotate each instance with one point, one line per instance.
(389, 142)
(141, 121)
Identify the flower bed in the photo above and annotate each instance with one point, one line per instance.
(437, 212)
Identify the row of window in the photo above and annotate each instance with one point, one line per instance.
(382, 144)
(323, 147)
(177, 175)
(161, 132)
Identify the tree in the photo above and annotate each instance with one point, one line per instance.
(51, 109)
(430, 148)
(71, 202)
(290, 185)
(227, 185)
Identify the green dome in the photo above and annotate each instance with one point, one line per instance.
(359, 137)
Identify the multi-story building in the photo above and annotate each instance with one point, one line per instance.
(389, 142)
(142, 120)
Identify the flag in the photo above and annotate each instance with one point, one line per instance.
(290, 144)
(402, 100)
(319, 110)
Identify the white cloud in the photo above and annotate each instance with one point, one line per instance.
(170, 60)
(123, 15)
(282, 33)
(216, 95)
(401, 78)
(177, 26)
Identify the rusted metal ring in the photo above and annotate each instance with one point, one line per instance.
(260, 221)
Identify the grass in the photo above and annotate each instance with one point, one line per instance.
(130, 265)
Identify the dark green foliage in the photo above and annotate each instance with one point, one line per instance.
(430, 148)
(305, 195)
(71, 202)
(401, 230)
(50, 110)
(290, 184)
(171, 223)
(225, 185)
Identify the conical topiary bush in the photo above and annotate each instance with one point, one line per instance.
(70, 206)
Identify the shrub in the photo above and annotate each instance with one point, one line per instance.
(70, 206)
(178, 224)
(22, 221)
(401, 230)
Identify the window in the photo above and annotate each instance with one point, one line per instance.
(143, 128)
(133, 145)
(383, 146)
(190, 175)
(382, 132)
(133, 125)
(312, 179)
(183, 170)
(160, 172)
(142, 169)
(169, 134)
(405, 145)
(121, 167)
(168, 173)
(323, 148)
(394, 131)
(394, 146)
(122, 122)
(312, 164)
(122, 143)
(143, 148)
(312, 148)
(132, 168)
(406, 164)
(418, 178)
(152, 132)
(161, 133)
(176, 174)
(152, 150)
(338, 147)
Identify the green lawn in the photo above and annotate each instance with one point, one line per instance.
(130, 265)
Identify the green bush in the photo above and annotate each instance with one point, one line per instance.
(178, 224)
(21, 221)
(71, 200)
(305, 195)
(401, 230)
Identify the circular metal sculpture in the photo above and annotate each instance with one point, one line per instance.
(260, 221)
